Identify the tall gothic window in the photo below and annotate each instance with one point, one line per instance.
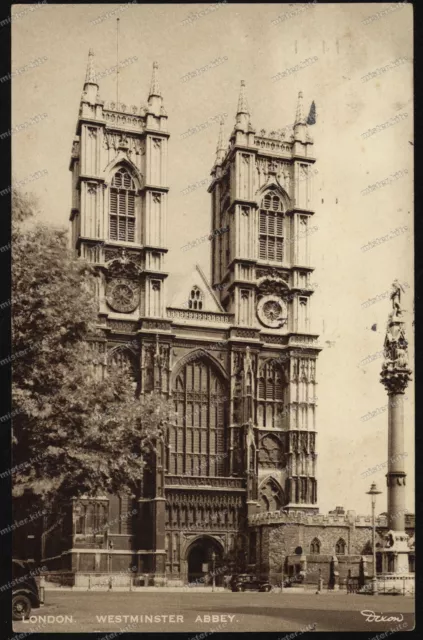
(122, 207)
(270, 402)
(197, 440)
(271, 228)
(195, 300)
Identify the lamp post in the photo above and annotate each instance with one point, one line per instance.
(213, 572)
(373, 492)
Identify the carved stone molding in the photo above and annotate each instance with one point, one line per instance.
(115, 253)
(122, 325)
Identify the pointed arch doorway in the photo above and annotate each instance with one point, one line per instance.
(200, 561)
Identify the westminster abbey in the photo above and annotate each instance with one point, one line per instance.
(234, 352)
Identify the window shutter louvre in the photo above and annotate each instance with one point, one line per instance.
(113, 228)
(122, 207)
(271, 229)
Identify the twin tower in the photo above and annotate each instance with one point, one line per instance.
(236, 354)
(261, 192)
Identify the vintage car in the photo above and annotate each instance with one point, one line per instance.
(25, 592)
(248, 582)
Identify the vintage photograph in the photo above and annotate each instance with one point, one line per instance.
(212, 419)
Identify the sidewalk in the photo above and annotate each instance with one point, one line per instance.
(306, 590)
(106, 589)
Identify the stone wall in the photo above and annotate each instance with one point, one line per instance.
(287, 544)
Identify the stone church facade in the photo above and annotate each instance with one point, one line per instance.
(236, 354)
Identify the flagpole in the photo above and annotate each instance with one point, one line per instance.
(117, 63)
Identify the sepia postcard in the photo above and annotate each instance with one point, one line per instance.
(212, 421)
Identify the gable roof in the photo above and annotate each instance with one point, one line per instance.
(198, 279)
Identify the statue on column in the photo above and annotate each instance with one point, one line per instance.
(396, 299)
(395, 373)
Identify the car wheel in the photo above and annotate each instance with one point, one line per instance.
(242, 589)
(21, 607)
(268, 588)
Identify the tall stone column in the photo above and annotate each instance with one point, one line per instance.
(395, 376)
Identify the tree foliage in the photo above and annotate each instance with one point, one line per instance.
(75, 432)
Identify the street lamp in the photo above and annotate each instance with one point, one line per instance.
(213, 572)
(373, 492)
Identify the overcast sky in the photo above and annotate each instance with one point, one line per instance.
(259, 42)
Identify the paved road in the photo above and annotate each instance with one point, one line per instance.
(193, 612)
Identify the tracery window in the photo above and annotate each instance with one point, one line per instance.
(271, 452)
(122, 207)
(271, 497)
(196, 299)
(315, 546)
(91, 518)
(340, 547)
(271, 240)
(270, 401)
(197, 440)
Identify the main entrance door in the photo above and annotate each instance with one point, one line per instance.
(200, 562)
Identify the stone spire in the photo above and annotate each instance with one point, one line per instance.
(243, 112)
(91, 84)
(155, 100)
(299, 116)
(242, 101)
(221, 147)
(300, 125)
(90, 77)
(154, 86)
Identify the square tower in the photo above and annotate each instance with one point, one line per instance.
(261, 192)
(119, 199)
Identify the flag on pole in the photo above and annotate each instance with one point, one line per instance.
(311, 119)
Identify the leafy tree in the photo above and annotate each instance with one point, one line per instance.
(75, 431)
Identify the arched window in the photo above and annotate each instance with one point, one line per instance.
(122, 207)
(197, 440)
(271, 228)
(315, 546)
(340, 547)
(196, 298)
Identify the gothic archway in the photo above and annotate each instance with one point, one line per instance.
(201, 563)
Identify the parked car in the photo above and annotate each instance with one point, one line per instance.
(248, 582)
(25, 592)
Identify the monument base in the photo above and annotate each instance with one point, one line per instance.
(396, 584)
(395, 554)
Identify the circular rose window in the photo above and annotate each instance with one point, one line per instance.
(272, 312)
(122, 295)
